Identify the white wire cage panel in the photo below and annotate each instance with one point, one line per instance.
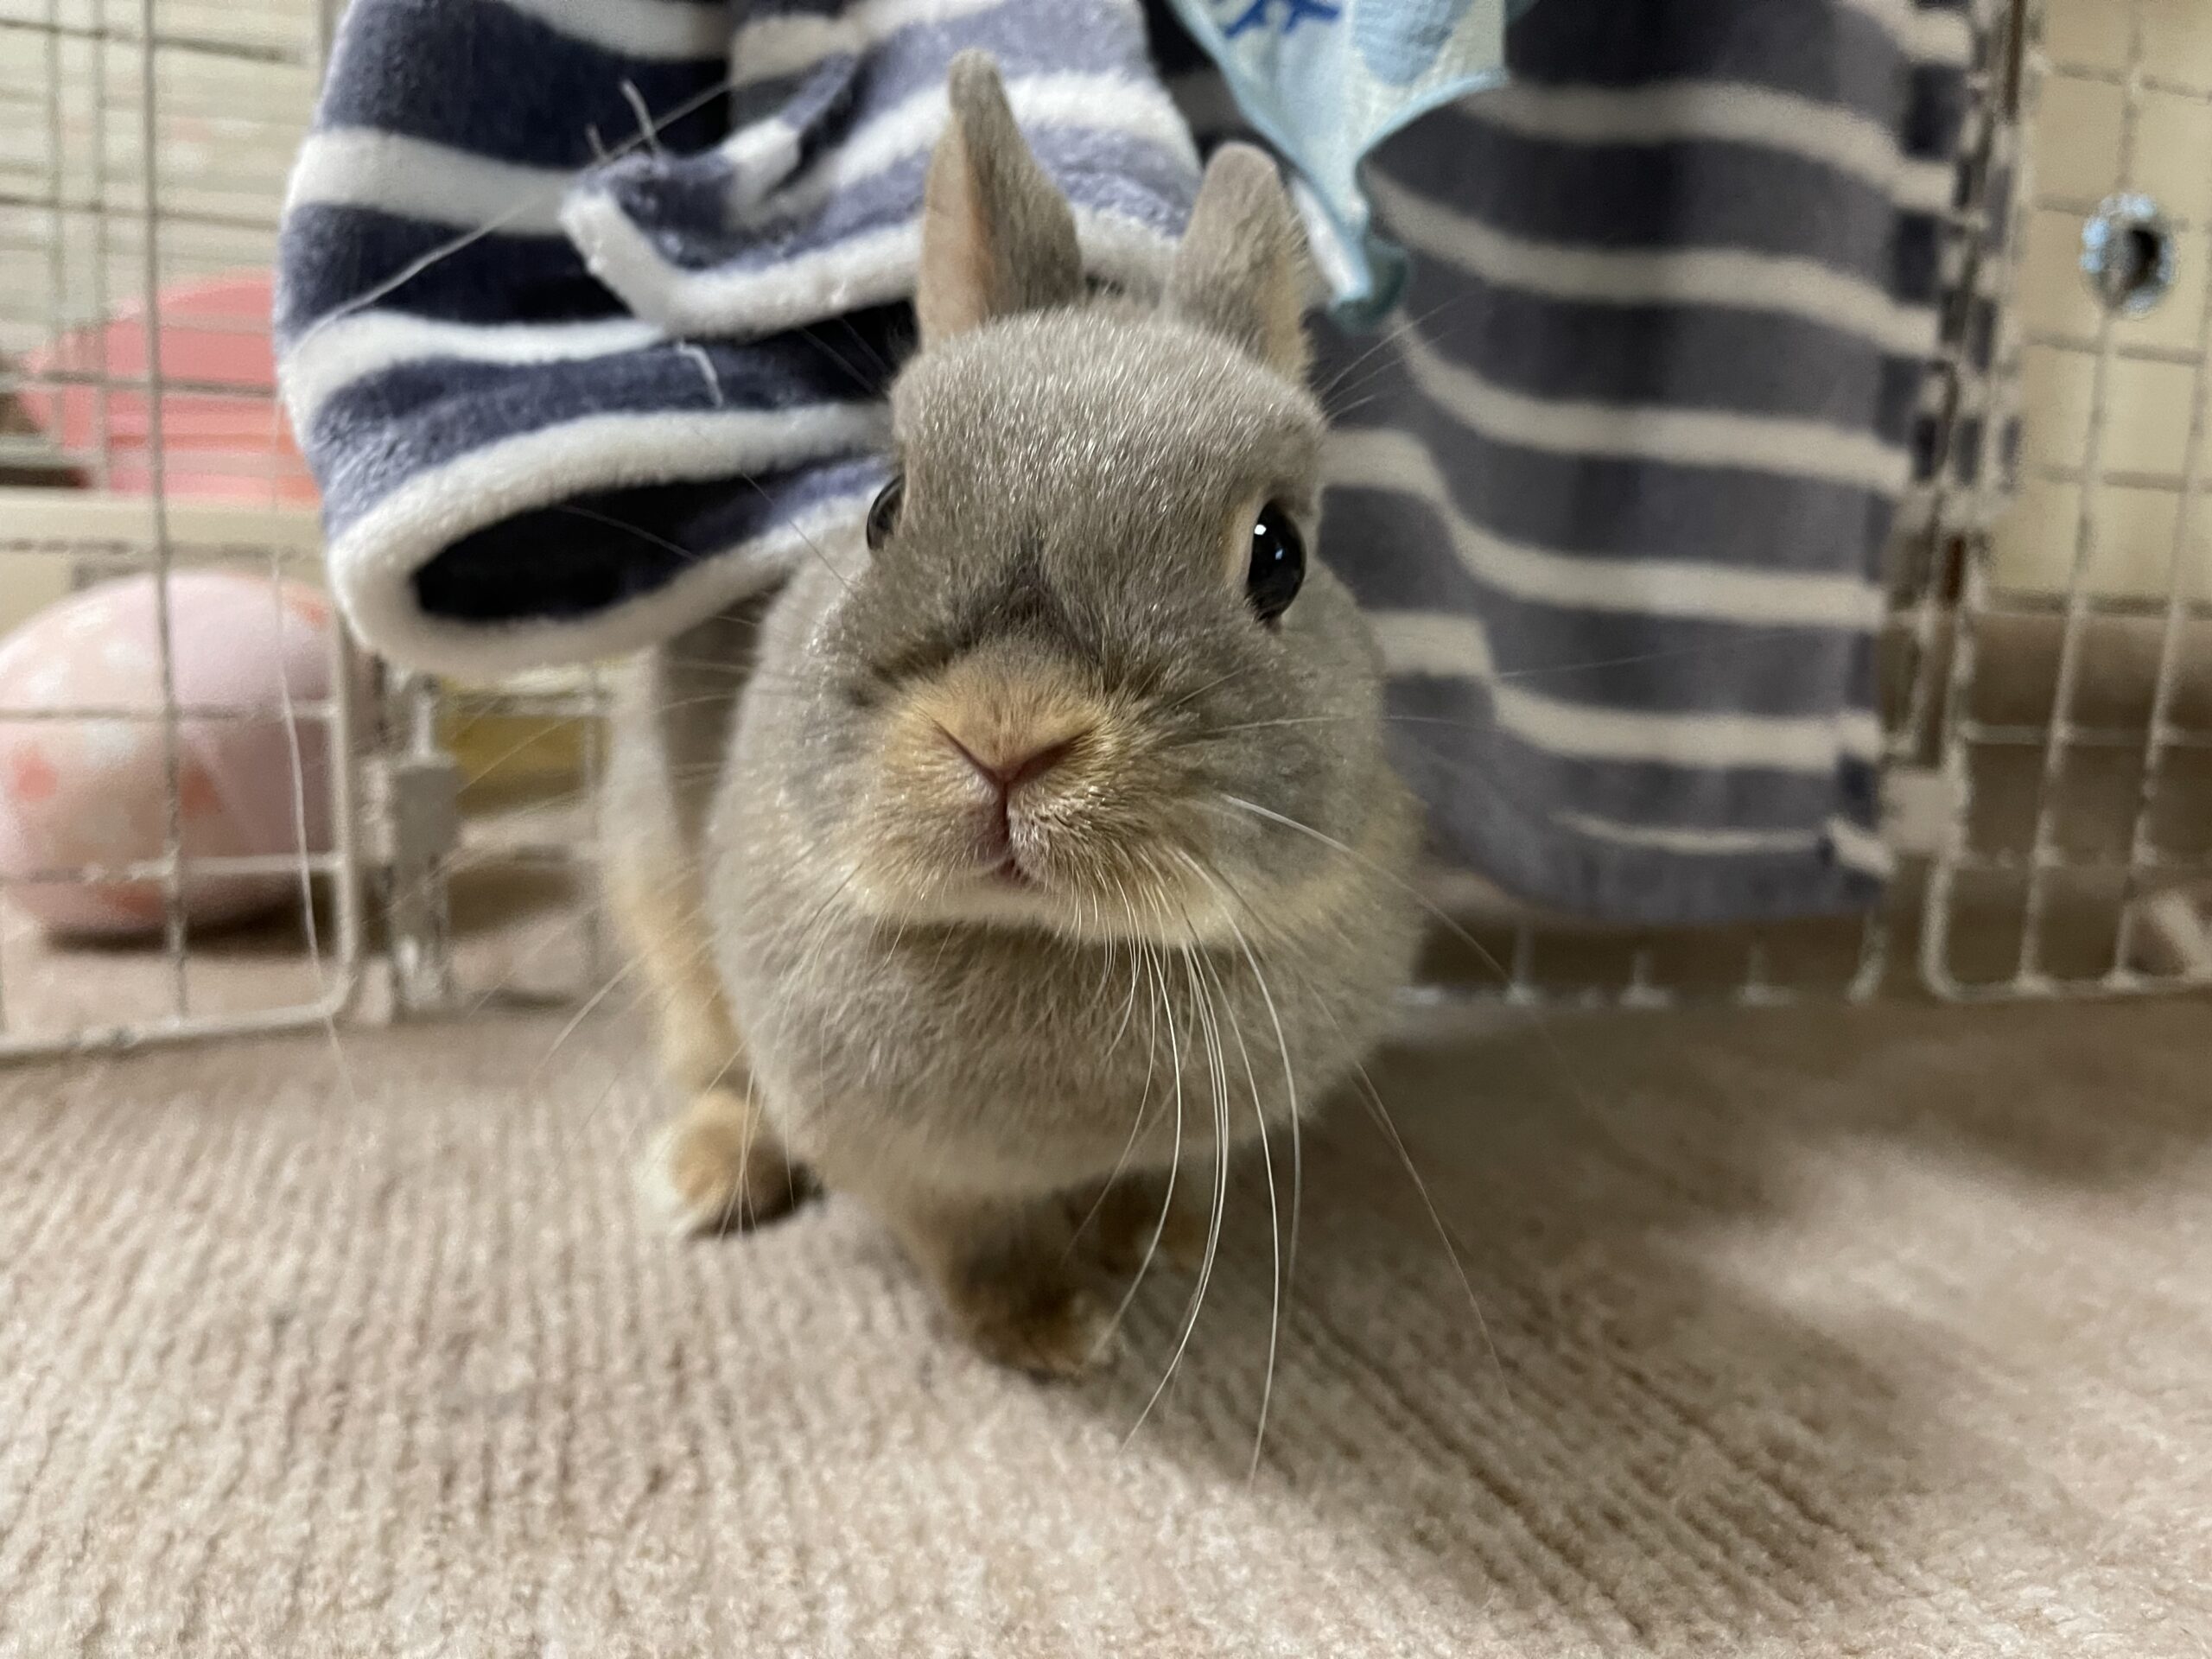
(143, 145)
(2076, 717)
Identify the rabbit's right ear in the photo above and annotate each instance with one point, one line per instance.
(1241, 270)
(997, 236)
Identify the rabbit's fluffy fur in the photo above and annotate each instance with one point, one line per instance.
(993, 1012)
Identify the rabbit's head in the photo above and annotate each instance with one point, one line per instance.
(1090, 678)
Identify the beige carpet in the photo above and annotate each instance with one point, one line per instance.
(1806, 1333)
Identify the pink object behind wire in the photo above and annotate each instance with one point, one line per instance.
(93, 790)
(224, 436)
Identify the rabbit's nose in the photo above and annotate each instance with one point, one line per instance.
(1008, 772)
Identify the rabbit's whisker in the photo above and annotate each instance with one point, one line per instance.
(594, 516)
(867, 385)
(689, 555)
(1285, 1260)
(700, 950)
(1164, 1003)
(591, 1003)
(867, 346)
(533, 200)
(1387, 340)
(1129, 1005)
(1372, 1098)
(1136, 1123)
(1450, 922)
(1217, 1070)
(1193, 696)
(1372, 1094)
(1274, 1215)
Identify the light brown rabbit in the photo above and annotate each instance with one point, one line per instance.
(1008, 871)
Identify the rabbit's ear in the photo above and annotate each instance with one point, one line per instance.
(997, 236)
(1242, 269)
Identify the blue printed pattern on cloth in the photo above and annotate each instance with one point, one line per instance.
(1325, 81)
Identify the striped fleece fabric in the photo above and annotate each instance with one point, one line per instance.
(586, 308)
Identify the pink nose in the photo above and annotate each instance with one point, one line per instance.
(1007, 775)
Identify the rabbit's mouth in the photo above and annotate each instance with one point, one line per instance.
(1054, 872)
(1008, 873)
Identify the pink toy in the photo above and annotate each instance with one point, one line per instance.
(93, 791)
(223, 436)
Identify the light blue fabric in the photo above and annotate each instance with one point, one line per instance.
(1325, 81)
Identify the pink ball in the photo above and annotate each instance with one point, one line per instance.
(94, 790)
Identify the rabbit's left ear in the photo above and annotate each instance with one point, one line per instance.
(997, 236)
(1242, 269)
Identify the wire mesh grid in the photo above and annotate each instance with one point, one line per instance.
(2076, 722)
(142, 150)
(2046, 663)
(2049, 712)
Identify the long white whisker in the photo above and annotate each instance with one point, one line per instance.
(1374, 1098)
(1221, 884)
(1390, 1127)
(1274, 1220)
(534, 200)
(1167, 1006)
(1217, 1068)
(1450, 922)
(1189, 697)
(1283, 1260)
(581, 1015)
(1136, 1124)
(1453, 926)
(1128, 1009)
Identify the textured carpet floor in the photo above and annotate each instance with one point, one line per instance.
(1805, 1333)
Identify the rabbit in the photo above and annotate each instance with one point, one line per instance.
(1013, 864)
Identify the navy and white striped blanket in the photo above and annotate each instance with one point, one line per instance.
(586, 306)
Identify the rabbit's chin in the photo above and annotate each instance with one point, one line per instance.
(1011, 900)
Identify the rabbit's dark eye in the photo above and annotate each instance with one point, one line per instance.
(1278, 567)
(883, 511)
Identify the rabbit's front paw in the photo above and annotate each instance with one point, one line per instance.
(719, 1168)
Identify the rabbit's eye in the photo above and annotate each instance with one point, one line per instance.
(1278, 567)
(883, 511)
